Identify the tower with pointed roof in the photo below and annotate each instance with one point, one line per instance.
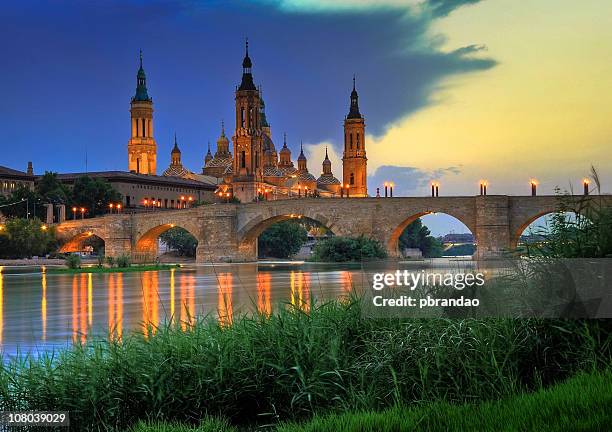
(142, 148)
(176, 168)
(208, 156)
(248, 136)
(354, 160)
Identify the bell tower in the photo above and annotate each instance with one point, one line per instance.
(248, 137)
(142, 148)
(354, 160)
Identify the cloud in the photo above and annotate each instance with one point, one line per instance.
(442, 8)
(433, 8)
(407, 180)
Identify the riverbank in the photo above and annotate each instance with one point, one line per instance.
(293, 366)
(133, 268)
(580, 403)
(31, 262)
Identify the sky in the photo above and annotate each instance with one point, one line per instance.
(452, 90)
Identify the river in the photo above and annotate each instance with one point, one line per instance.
(41, 311)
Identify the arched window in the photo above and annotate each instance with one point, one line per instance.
(242, 159)
(358, 140)
(352, 180)
(242, 119)
(351, 141)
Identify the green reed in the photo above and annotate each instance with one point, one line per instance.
(294, 364)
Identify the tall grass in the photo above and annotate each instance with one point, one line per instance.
(293, 364)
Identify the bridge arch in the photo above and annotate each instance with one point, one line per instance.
(247, 236)
(253, 229)
(76, 243)
(517, 232)
(147, 243)
(393, 239)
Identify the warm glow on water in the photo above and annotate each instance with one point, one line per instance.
(42, 310)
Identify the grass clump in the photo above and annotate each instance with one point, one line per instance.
(208, 424)
(582, 403)
(73, 261)
(294, 364)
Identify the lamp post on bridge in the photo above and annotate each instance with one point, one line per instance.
(483, 187)
(534, 187)
(585, 184)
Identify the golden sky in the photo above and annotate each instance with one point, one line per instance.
(544, 112)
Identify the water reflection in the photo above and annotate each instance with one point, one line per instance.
(115, 305)
(225, 308)
(43, 305)
(42, 310)
(264, 302)
(300, 290)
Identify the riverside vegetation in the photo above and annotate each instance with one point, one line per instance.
(327, 367)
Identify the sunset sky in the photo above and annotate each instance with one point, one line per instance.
(452, 90)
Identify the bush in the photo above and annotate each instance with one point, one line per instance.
(342, 249)
(73, 261)
(110, 261)
(123, 261)
(282, 240)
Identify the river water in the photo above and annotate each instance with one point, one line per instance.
(40, 311)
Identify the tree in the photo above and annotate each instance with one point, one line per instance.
(20, 201)
(24, 238)
(343, 249)
(94, 194)
(180, 241)
(50, 189)
(282, 240)
(417, 236)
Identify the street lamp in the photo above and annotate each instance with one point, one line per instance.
(534, 187)
(118, 208)
(82, 213)
(435, 189)
(386, 190)
(585, 184)
(111, 207)
(227, 197)
(483, 187)
(146, 202)
(391, 189)
(347, 191)
(74, 211)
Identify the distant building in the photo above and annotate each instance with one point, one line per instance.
(11, 179)
(140, 190)
(458, 238)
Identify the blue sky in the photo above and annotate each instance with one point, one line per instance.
(69, 72)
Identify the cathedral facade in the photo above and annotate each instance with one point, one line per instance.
(248, 166)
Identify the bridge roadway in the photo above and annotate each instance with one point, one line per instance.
(228, 232)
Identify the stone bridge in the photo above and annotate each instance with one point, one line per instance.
(228, 232)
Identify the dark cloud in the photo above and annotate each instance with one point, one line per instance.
(407, 180)
(441, 8)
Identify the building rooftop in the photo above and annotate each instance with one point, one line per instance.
(9, 172)
(132, 177)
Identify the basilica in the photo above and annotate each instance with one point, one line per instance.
(252, 169)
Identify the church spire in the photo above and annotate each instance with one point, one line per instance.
(247, 76)
(141, 84)
(354, 110)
